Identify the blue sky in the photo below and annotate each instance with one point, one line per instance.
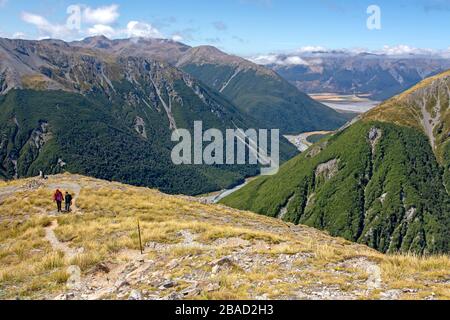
(244, 27)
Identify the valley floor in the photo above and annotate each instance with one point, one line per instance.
(191, 251)
(346, 103)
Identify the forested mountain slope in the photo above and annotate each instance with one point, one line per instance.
(380, 182)
(107, 116)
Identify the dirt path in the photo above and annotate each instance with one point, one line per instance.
(57, 245)
(74, 281)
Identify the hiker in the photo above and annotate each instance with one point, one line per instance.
(58, 198)
(68, 201)
(42, 175)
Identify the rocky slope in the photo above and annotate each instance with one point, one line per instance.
(191, 251)
(381, 181)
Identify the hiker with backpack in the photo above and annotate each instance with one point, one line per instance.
(68, 201)
(58, 198)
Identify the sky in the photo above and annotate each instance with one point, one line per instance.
(243, 27)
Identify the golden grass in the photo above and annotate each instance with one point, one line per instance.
(37, 82)
(107, 229)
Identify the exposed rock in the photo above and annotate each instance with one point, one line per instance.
(226, 261)
(135, 295)
(167, 285)
(327, 170)
(174, 296)
(121, 283)
(374, 137)
(102, 267)
(61, 163)
(212, 287)
(215, 270)
(139, 126)
(74, 281)
(40, 136)
(411, 213)
(383, 198)
(191, 291)
(172, 264)
(284, 210)
(391, 295)
(374, 280)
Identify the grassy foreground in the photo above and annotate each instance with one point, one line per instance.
(191, 251)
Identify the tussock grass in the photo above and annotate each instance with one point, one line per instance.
(87, 260)
(106, 230)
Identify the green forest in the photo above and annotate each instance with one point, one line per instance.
(391, 198)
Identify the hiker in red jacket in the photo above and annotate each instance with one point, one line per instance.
(58, 198)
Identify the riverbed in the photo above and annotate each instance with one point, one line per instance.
(346, 103)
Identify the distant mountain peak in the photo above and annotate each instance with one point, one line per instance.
(211, 55)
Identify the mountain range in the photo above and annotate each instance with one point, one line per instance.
(107, 108)
(255, 90)
(377, 76)
(382, 181)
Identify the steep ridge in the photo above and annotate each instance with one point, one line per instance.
(425, 107)
(380, 182)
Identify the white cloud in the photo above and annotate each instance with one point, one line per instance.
(95, 22)
(312, 56)
(265, 59)
(294, 60)
(402, 49)
(177, 38)
(311, 49)
(19, 35)
(101, 30)
(46, 28)
(102, 15)
(35, 19)
(136, 29)
(278, 60)
(397, 50)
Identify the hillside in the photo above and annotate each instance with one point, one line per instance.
(191, 251)
(107, 116)
(260, 92)
(377, 182)
(425, 107)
